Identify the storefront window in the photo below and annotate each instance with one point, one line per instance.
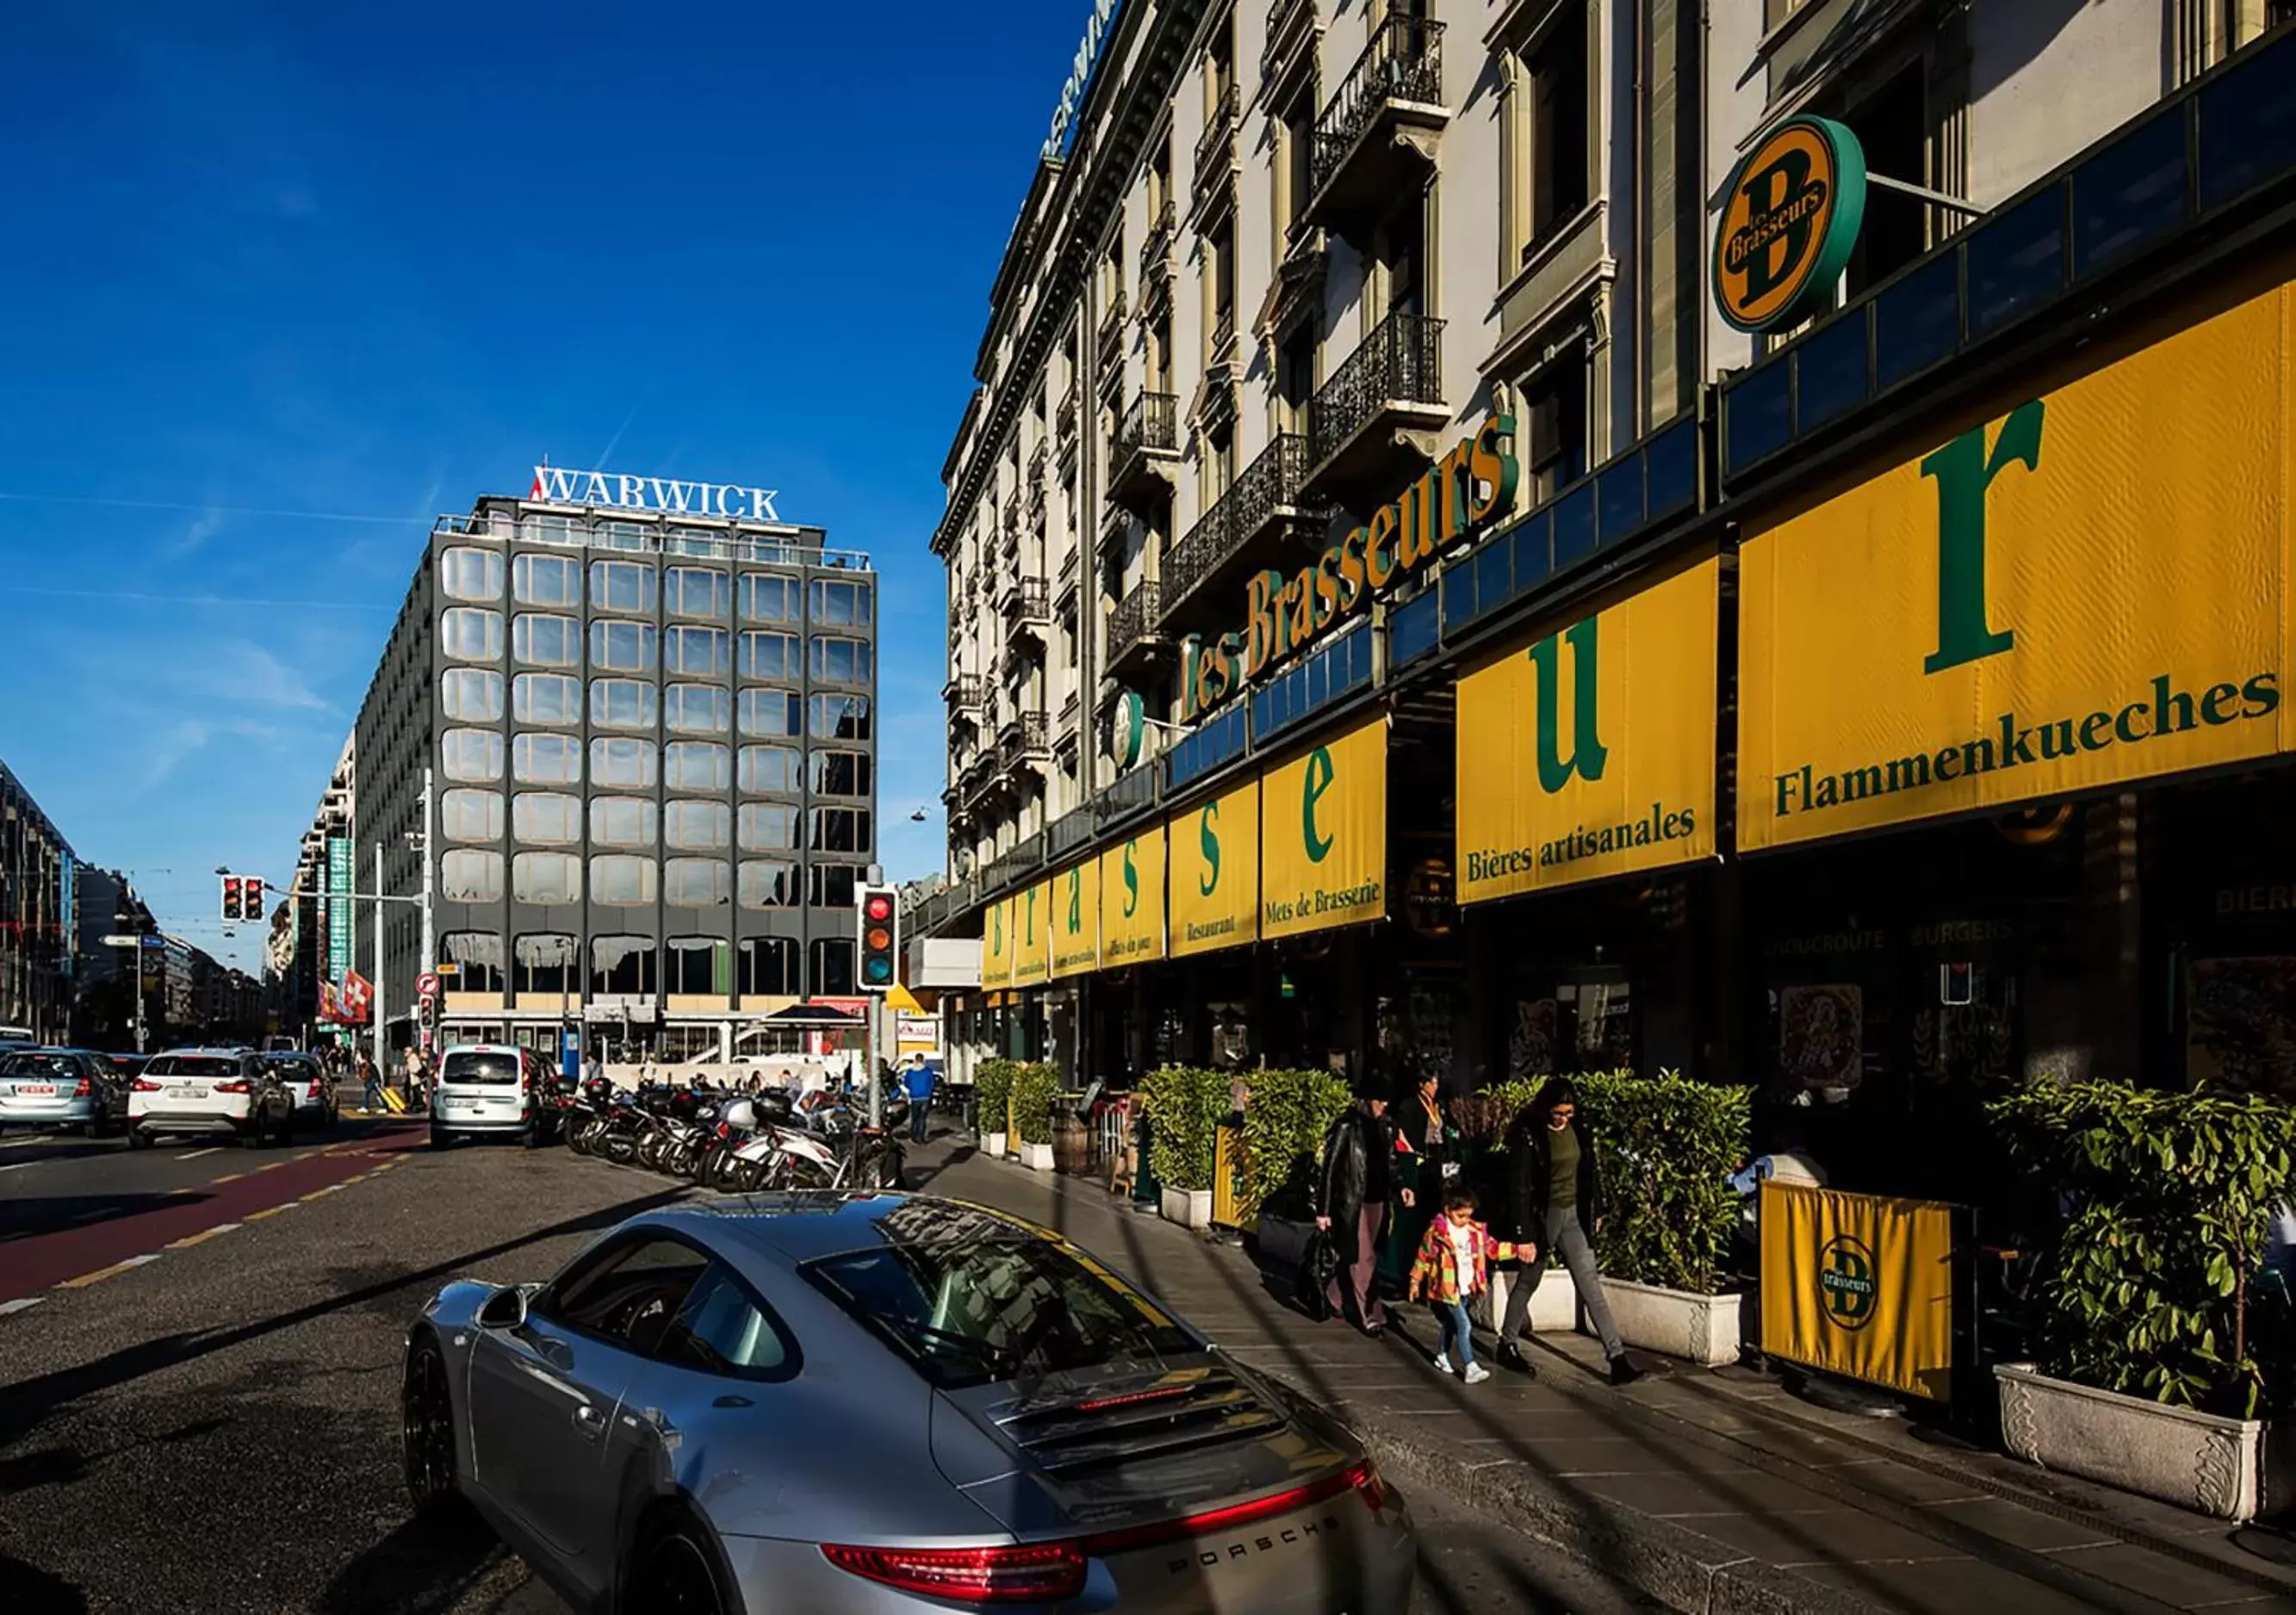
(622, 965)
(478, 956)
(544, 961)
(698, 964)
(769, 965)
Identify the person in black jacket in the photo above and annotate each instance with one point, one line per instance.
(1553, 1200)
(1352, 1191)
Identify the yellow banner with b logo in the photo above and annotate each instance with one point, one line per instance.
(1590, 752)
(2089, 588)
(1323, 835)
(1861, 1286)
(1076, 919)
(1214, 849)
(1032, 934)
(996, 946)
(1132, 899)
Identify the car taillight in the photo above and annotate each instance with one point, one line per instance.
(142, 1086)
(81, 1092)
(1023, 1573)
(231, 1087)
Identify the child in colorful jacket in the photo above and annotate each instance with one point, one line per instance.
(1453, 1268)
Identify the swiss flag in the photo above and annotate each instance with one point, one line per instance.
(358, 997)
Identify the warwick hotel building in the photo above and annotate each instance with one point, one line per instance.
(1444, 552)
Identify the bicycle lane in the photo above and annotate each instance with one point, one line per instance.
(74, 1258)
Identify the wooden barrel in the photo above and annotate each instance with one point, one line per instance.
(1071, 1145)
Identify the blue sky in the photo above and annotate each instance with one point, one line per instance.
(360, 265)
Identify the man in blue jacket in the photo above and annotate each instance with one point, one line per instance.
(919, 1080)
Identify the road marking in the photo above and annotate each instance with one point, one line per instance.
(201, 1237)
(256, 1217)
(317, 1194)
(22, 1303)
(195, 1154)
(100, 1273)
(228, 1177)
(17, 1166)
(271, 1166)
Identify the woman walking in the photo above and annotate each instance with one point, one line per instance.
(1353, 1190)
(1552, 1195)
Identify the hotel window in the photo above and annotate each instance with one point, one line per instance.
(1217, 465)
(479, 955)
(697, 765)
(693, 591)
(767, 597)
(699, 652)
(830, 886)
(840, 662)
(470, 634)
(469, 574)
(768, 883)
(1551, 434)
(767, 965)
(697, 965)
(546, 698)
(768, 827)
(769, 711)
(622, 821)
(1545, 152)
(1219, 289)
(552, 529)
(545, 877)
(697, 884)
(766, 768)
(622, 647)
(1296, 137)
(621, 585)
(544, 963)
(470, 815)
(622, 703)
(618, 881)
(472, 695)
(832, 958)
(620, 762)
(840, 718)
(622, 966)
(470, 754)
(838, 604)
(540, 640)
(619, 536)
(697, 709)
(545, 759)
(546, 818)
(696, 826)
(839, 828)
(769, 656)
(1295, 378)
(467, 875)
(841, 774)
(547, 580)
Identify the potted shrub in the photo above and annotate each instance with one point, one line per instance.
(1034, 1089)
(1185, 1106)
(1284, 1127)
(992, 1087)
(2153, 1372)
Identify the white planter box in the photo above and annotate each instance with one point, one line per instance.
(1702, 1328)
(1554, 1304)
(2194, 1460)
(1036, 1156)
(992, 1145)
(1189, 1208)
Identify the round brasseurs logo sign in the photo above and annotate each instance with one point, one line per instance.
(1790, 219)
(1845, 1281)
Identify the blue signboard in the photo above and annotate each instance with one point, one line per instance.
(339, 911)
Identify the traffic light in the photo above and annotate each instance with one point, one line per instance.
(251, 899)
(879, 965)
(231, 899)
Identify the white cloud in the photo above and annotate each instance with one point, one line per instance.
(208, 524)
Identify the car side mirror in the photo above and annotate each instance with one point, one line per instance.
(504, 1310)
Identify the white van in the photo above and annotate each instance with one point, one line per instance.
(489, 1088)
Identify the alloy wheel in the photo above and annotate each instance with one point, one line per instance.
(678, 1580)
(427, 1429)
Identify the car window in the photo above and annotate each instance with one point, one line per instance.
(41, 1067)
(966, 1311)
(628, 1293)
(214, 1067)
(722, 1329)
(486, 1069)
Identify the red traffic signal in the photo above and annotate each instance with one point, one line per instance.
(877, 953)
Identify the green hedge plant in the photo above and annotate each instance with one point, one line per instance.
(2145, 1286)
(1284, 1128)
(1185, 1106)
(1665, 1147)
(992, 1086)
(1034, 1087)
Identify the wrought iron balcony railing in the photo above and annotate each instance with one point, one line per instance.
(1134, 621)
(1027, 598)
(1024, 733)
(1267, 487)
(963, 693)
(1156, 249)
(1216, 146)
(1404, 61)
(1152, 424)
(1401, 361)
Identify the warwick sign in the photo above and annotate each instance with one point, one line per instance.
(1461, 493)
(658, 495)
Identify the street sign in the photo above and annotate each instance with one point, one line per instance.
(120, 941)
(155, 942)
(426, 985)
(446, 972)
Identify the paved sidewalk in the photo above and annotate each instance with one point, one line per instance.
(1711, 1493)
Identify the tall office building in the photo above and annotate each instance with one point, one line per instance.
(38, 937)
(645, 713)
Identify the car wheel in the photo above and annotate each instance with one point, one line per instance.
(137, 1138)
(427, 1433)
(439, 1140)
(93, 1129)
(677, 1573)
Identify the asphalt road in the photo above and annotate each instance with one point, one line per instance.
(199, 1373)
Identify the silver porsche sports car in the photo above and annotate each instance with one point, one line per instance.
(879, 1403)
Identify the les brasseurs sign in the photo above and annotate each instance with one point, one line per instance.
(1461, 493)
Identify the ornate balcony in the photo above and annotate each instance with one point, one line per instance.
(1026, 603)
(1262, 520)
(1026, 735)
(1291, 31)
(1112, 330)
(1214, 184)
(963, 695)
(1156, 251)
(1145, 449)
(1375, 140)
(1374, 420)
(1134, 631)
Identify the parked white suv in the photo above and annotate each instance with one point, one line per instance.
(490, 1087)
(209, 1091)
